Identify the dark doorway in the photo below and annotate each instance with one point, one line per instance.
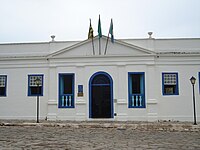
(101, 96)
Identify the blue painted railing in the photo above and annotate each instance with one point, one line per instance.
(67, 100)
(137, 100)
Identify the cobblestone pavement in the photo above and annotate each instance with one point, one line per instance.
(40, 137)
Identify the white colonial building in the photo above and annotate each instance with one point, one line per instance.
(136, 79)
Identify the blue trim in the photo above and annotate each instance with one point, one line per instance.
(90, 93)
(142, 86)
(59, 90)
(177, 87)
(199, 82)
(29, 91)
(5, 93)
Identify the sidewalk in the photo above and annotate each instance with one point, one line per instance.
(121, 125)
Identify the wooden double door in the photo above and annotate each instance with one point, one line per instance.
(101, 97)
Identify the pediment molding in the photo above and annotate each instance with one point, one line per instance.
(84, 48)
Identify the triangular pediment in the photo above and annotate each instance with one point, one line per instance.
(92, 47)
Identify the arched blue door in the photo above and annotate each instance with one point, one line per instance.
(101, 95)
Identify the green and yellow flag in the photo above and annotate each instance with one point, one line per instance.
(90, 33)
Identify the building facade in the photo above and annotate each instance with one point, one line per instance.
(135, 79)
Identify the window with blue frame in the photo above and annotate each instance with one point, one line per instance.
(170, 83)
(35, 88)
(3, 82)
(136, 85)
(66, 90)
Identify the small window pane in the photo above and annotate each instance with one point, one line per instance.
(170, 89)
(36, 90)
(2, 91)
(67, 83)
(136, 87)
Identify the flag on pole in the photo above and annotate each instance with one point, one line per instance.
(99, 28)
(90, 33)
(112, 36)
(111, 31)
(90, 36)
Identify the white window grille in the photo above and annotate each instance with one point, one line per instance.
(33, 80)
(2, 81)
(170, 79)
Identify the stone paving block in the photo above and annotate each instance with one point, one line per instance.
(95, 135)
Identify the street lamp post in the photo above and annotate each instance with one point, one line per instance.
(193, 80)
(37, 83)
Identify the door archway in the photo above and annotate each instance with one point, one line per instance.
(101, 95)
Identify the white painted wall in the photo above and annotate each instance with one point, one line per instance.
(179, 107)
(17, 105)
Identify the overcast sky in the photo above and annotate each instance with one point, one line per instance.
(37, 20)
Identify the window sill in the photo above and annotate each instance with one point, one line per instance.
(66, 107)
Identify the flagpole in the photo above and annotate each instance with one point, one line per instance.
(99, 46)
(99, 34)
(106, 44)
(92, 40)
(112, 37)
(93, 46)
